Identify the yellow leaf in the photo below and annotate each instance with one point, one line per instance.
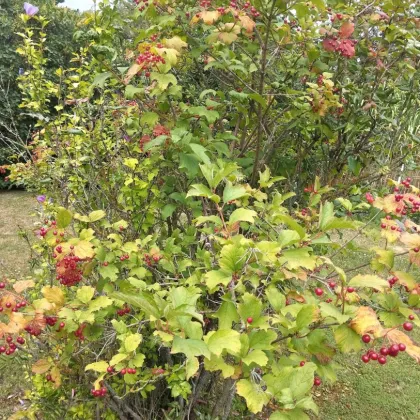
(53, 294)
(56, 376)
(176, 43)
(209, 17)
(41, 366)
(366, 321)
(247, 23)
(22, 285)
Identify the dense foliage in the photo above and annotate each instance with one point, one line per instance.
(175, 275)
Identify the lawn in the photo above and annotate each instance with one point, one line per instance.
(373, 391)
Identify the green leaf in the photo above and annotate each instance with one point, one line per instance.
(96, 215)
(132, 341)
(163, 80)
(242, 215)
(119, 357)
(227, 314)
(337, 223)
(266, 180)
(109, 272)
(191, 367)
(406, 279)
(289, 221)
(276, 298)
(204, 219)
(259, 339)
(288, 237)
(256, 356)
(233, 192)
(85, 294)
(216, 277)
(97, 366)
(168, 210)
(384, 259)
(220, 340)
(149, 118)
(131, 91)
(142, 300)
(369, 280)
(216, 363)
(354, 165)
(306, 316)
(100, 303)
(190, 347)
(138, 360)
(347, 340)
(64, 217)
(295, 414)
(100, 79)
(329, 310)
(200, 152)
(326, 214)
(302, 380)
(254, 395)
(232, 258)
(200, 190)
(251, 306)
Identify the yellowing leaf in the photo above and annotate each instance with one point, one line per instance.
(132, 71)
(247, 23)
(53, 294)
(369, 280)
(220, 340)
(100, 366)
(132, 341)
(56, 376)
(41, 366)
(366, 321)
(176, 43)
(22, 285)
(254, 395)
(209, 17)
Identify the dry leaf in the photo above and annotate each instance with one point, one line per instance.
(41, 366)
(346, 30)
(366, 321)
(22, 285)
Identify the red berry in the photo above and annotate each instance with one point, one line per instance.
(350, 289)
(374, 356)
(382, 360)
(302, 363)
(332, 284)
(365, 358)
(366, 338)
(2, 285)
(416, 249)
(249, 320)
(123, 371)
(317, 381)
(384, 351)
(408, 326)
(411, 317)
(319, 291)
(110, 369)
(402, 347)
(62, 324)
(383, 225)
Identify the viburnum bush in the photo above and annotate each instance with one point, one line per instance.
(174, 275)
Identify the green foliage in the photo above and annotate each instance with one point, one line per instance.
(182, 269)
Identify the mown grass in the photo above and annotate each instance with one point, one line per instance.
(16, 208)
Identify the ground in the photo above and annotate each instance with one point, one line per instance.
(362, 391)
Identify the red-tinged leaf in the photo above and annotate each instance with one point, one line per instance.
(330, 44)
(411, 240)
(346, 48)
(389, 205)
(346, 30)
(247, 23)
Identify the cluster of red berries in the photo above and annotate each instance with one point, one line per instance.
(124, 257)
(99, 392)
(380, 356)
(205, 3)
(51, 320)
(79, 332)
(9, 346)
(68, 271)
(130, 371)
(148, 60)
(142, 4)
(392, 281)
(149, 259)
(406, 182)
(304, 212)
(158, 371)
(125, 310)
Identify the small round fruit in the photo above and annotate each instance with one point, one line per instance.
(365, 358)
(374, 356)
(408, 326)
(302, 363)
(249, 320)
(366, 338)
(350, 289)
(2, 285)
(317, 381)
(384, 351)
(62, 324)
(411, 317)
(332, 284)
(123, 371)
(402, 347)
(382, 360)
(110, 369)
(319, 291)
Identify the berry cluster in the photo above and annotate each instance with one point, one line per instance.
(51, 320)
(68, 271)
(79, 332)
(148, 259)
(392, 351)
(158, 371)
(99, 392)
(130, 371)
(142, 4)
(149, 60)
(304, 212)
(124, 257)
(9, 346)
(125, 310)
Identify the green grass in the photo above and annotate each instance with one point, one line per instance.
(15, 210)
(370, 390)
